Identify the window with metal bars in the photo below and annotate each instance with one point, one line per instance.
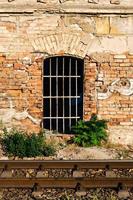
(62, 93)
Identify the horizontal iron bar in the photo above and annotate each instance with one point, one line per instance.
(70, 76)
(66, 164)
(61, 117)
(51, 97)
(65, 182)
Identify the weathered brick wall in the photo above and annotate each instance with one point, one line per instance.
(21, 93)
(115, 96)
(108, 89)
(30, 31)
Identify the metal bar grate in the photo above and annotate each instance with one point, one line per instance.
(57, 94)
(61, 117)
(62, 93)
(61, 76)
(63, 96)
(70, 93)
(50, 96)
(76, 91)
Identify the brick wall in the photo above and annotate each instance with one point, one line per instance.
(21, 92)
(115, 96)
(104, 41)
(108, 90)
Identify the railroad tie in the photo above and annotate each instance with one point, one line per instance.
(77, 179)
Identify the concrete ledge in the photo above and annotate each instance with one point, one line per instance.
(67, 9)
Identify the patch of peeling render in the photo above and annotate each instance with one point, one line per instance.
(7, 114)
(72, 44)
(81, 44)
(122, 86)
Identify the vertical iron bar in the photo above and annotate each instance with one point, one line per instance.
(50, 98)
(43, 85)
(70, 62)
(57, 94)
(63, 97)
(76, 89)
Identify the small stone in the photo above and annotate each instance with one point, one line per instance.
(27, 61)
(40, 174)
(37, 194)
(80, 193)
(41, 1)
(39, 56)
(115, 1)
(62, 1)
(30, 173)
(78, 174)
(1, 195)
(9, 65)
(6, 174)
(4, 158)
(93, 1)
(123, 194)
(110, 173)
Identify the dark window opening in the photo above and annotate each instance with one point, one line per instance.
(62, 93)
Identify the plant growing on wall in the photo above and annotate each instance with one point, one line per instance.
(19, 143)
(90, 133)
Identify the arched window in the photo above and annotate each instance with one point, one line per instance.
(62, 93)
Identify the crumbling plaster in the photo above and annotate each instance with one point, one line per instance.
(10, 113)
(92, 34)
(122, 86)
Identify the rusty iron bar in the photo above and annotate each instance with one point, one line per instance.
(66, 164)
(85, 183)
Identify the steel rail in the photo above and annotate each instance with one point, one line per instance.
(73, 183)
(78, 183)
(66, 164)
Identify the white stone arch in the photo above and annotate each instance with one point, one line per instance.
(63, 44)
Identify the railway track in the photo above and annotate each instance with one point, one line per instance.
(77, 179)
(66, 164)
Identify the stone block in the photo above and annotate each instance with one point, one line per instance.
(121, 25)
(117, 135)
(120, 56)
(130, 44)
(102, 25)
(114, 44)
(126, 123)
